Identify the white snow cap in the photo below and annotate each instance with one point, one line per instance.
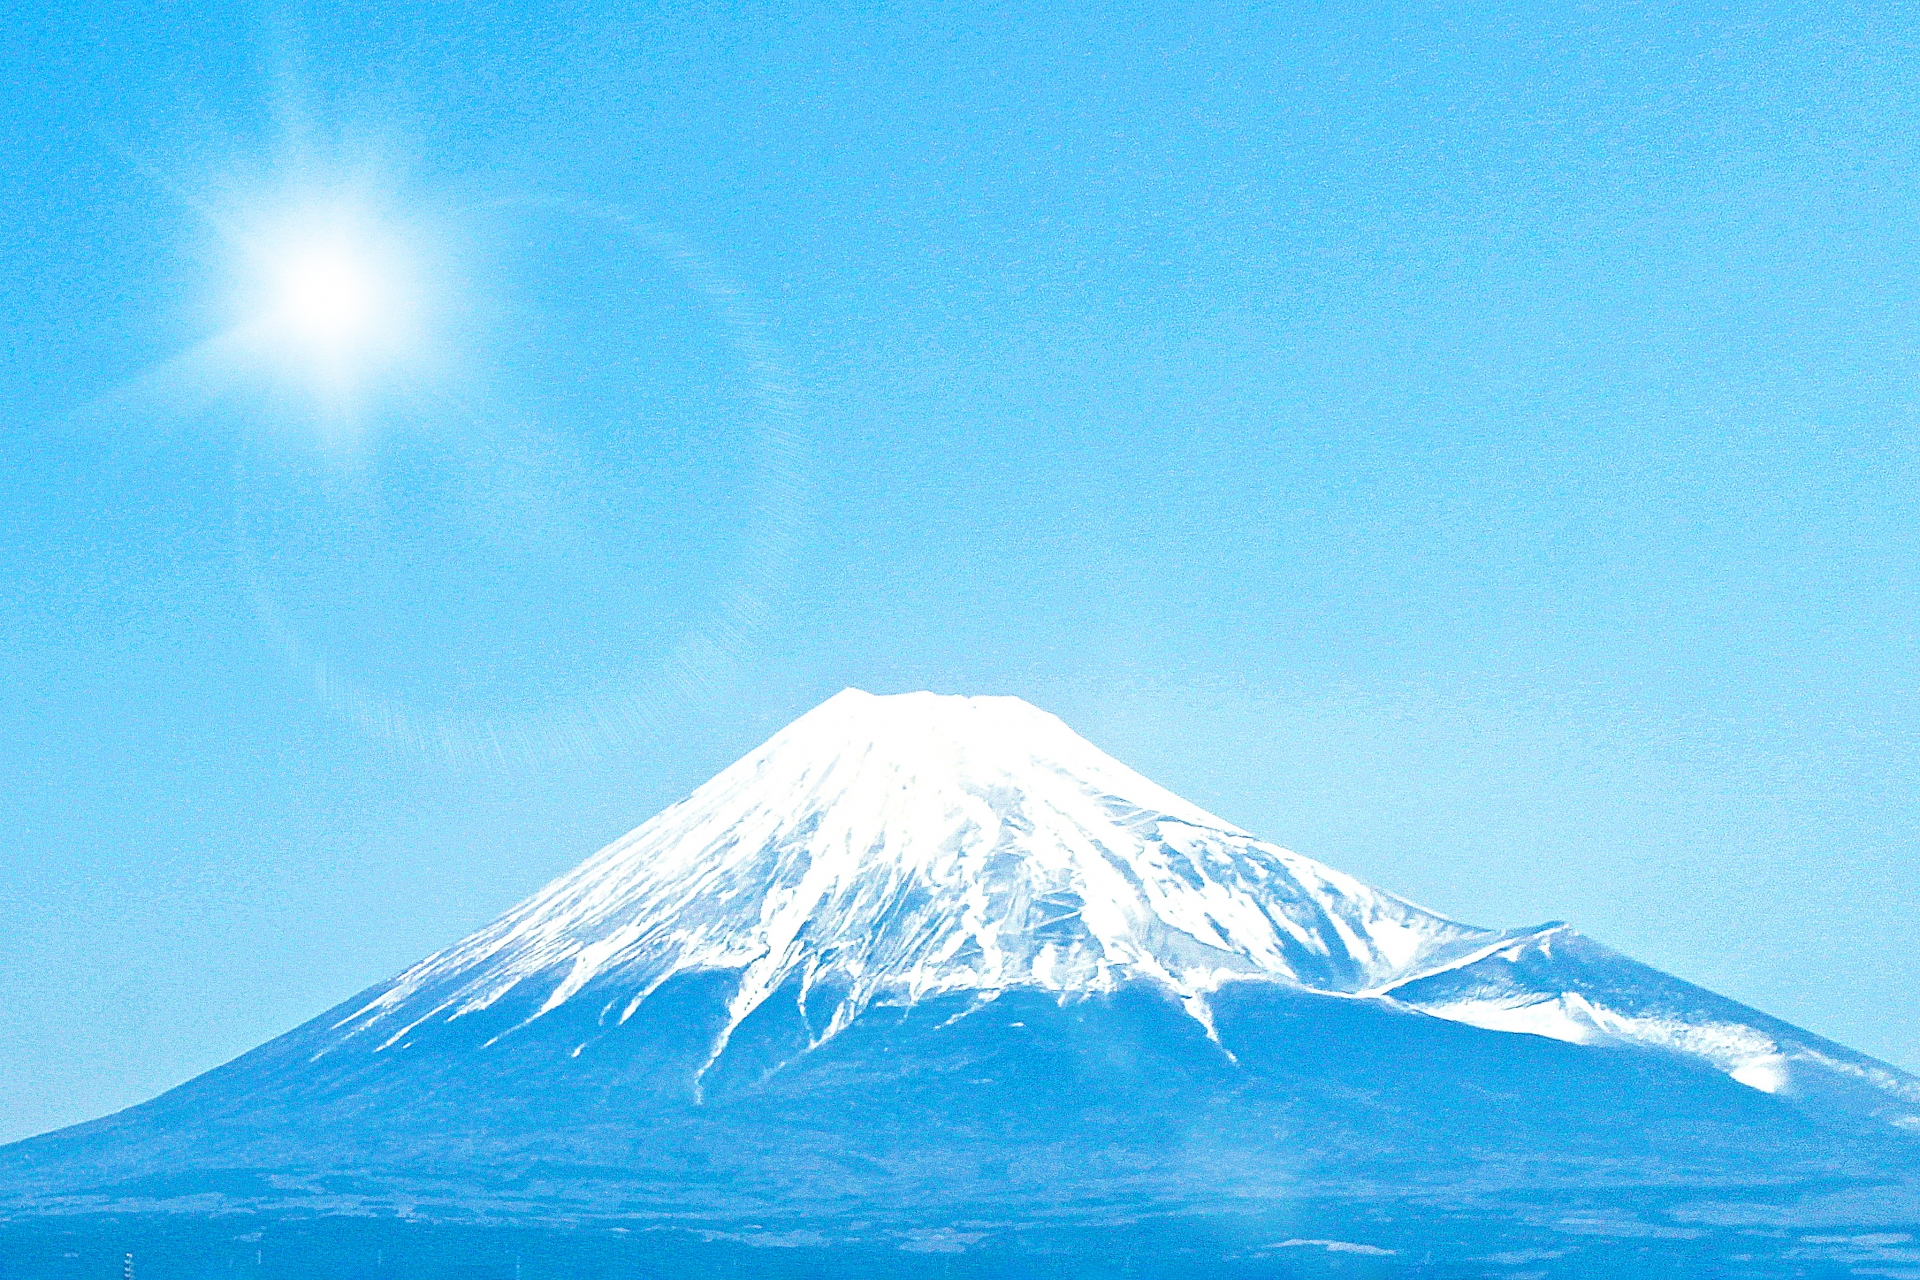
(889, 848)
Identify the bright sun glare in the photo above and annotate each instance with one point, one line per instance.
(327, 295)
(328, 300)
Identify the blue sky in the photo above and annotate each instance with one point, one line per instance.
(1476, 448)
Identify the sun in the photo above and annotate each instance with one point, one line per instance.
(326, 295)
(329, 299)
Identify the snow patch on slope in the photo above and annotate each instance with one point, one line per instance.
(1747, 1055)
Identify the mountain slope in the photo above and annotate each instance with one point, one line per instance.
(896, 848)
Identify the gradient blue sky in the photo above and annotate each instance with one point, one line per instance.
(1476, 447)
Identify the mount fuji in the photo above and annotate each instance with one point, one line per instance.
(931, 985)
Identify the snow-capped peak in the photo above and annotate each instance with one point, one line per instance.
(889, 848)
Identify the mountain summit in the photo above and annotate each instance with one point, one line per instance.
(922, 963)
(902, 847)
